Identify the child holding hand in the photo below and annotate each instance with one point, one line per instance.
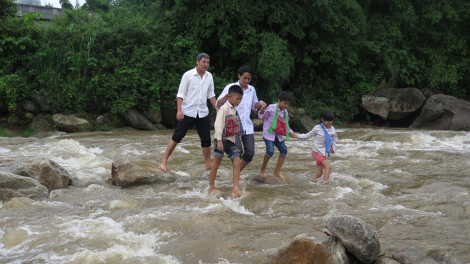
(276, 125)
(324, 143)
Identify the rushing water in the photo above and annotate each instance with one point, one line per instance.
(412, 186)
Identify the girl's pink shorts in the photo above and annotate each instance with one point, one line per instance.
(318, 157)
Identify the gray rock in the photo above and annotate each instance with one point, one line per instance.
(41, 124)
(402, 258)
(153, 116)
(392, 103)
(71, 124)
(160, 126)
(45, 171)
(125, 173)
(355, 235)
(306, 124)
(258, 124)
(12, 185)
(444, 112)
(428, 92)
(385, 260)
(40, 102)
(31, 107)
(136, 120)
(310, 250)
(296, 112)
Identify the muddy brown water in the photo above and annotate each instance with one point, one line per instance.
(412, 186)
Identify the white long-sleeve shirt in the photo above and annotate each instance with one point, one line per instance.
(195, 91)
(248, 103)
(319, 138)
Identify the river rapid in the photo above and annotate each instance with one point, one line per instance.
(412, 186)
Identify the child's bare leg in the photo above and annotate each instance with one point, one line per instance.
(263, 167)
(327, 166)
(213, 174)
(319, 172)
(236, 162)
(277, 171)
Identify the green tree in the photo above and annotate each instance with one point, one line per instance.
(7, 8)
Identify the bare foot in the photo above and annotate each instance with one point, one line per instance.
(264, 175)
(214, 190)
(280, 176)
(317, 176)
(325, 182)
(162, 167)
(236, 194)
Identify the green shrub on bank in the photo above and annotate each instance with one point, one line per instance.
(132, 54)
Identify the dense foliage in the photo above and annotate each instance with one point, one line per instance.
(114, 55)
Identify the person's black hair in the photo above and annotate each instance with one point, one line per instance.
(327, 115)
(244, 69)
(235, 89)
(284, 96)
(202, 55)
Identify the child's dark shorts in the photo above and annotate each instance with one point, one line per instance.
(230, 148)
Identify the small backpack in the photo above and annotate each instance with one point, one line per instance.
(232, 126)
(281, 127)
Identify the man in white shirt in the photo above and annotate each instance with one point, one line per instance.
(195, 88)
(249, 102)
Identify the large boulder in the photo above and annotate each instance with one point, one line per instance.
(393, 103)
(310, 250)
(444, 112)
(43, 170)
(296, 112)
(125, 172)
(153, 116)
(12, 185)
(31, 107)
(355, 235)
(41, 124)
(40, 102)
(71, 124)
(306, 124)
(135, 119)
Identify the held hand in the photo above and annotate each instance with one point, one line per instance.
(179, 116)
(220, 145)
(293, 135)
(262, 104)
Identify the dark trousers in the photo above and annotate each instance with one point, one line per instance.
(203, 127)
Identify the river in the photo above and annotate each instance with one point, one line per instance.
(412, 186)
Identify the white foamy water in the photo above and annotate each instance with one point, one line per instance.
(412, 186)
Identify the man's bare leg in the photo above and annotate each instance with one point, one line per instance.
(206, 152)
(213, 174)
(277, 171)
(263, 167)
(169, 149)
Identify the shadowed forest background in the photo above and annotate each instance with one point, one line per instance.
(109, 56)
